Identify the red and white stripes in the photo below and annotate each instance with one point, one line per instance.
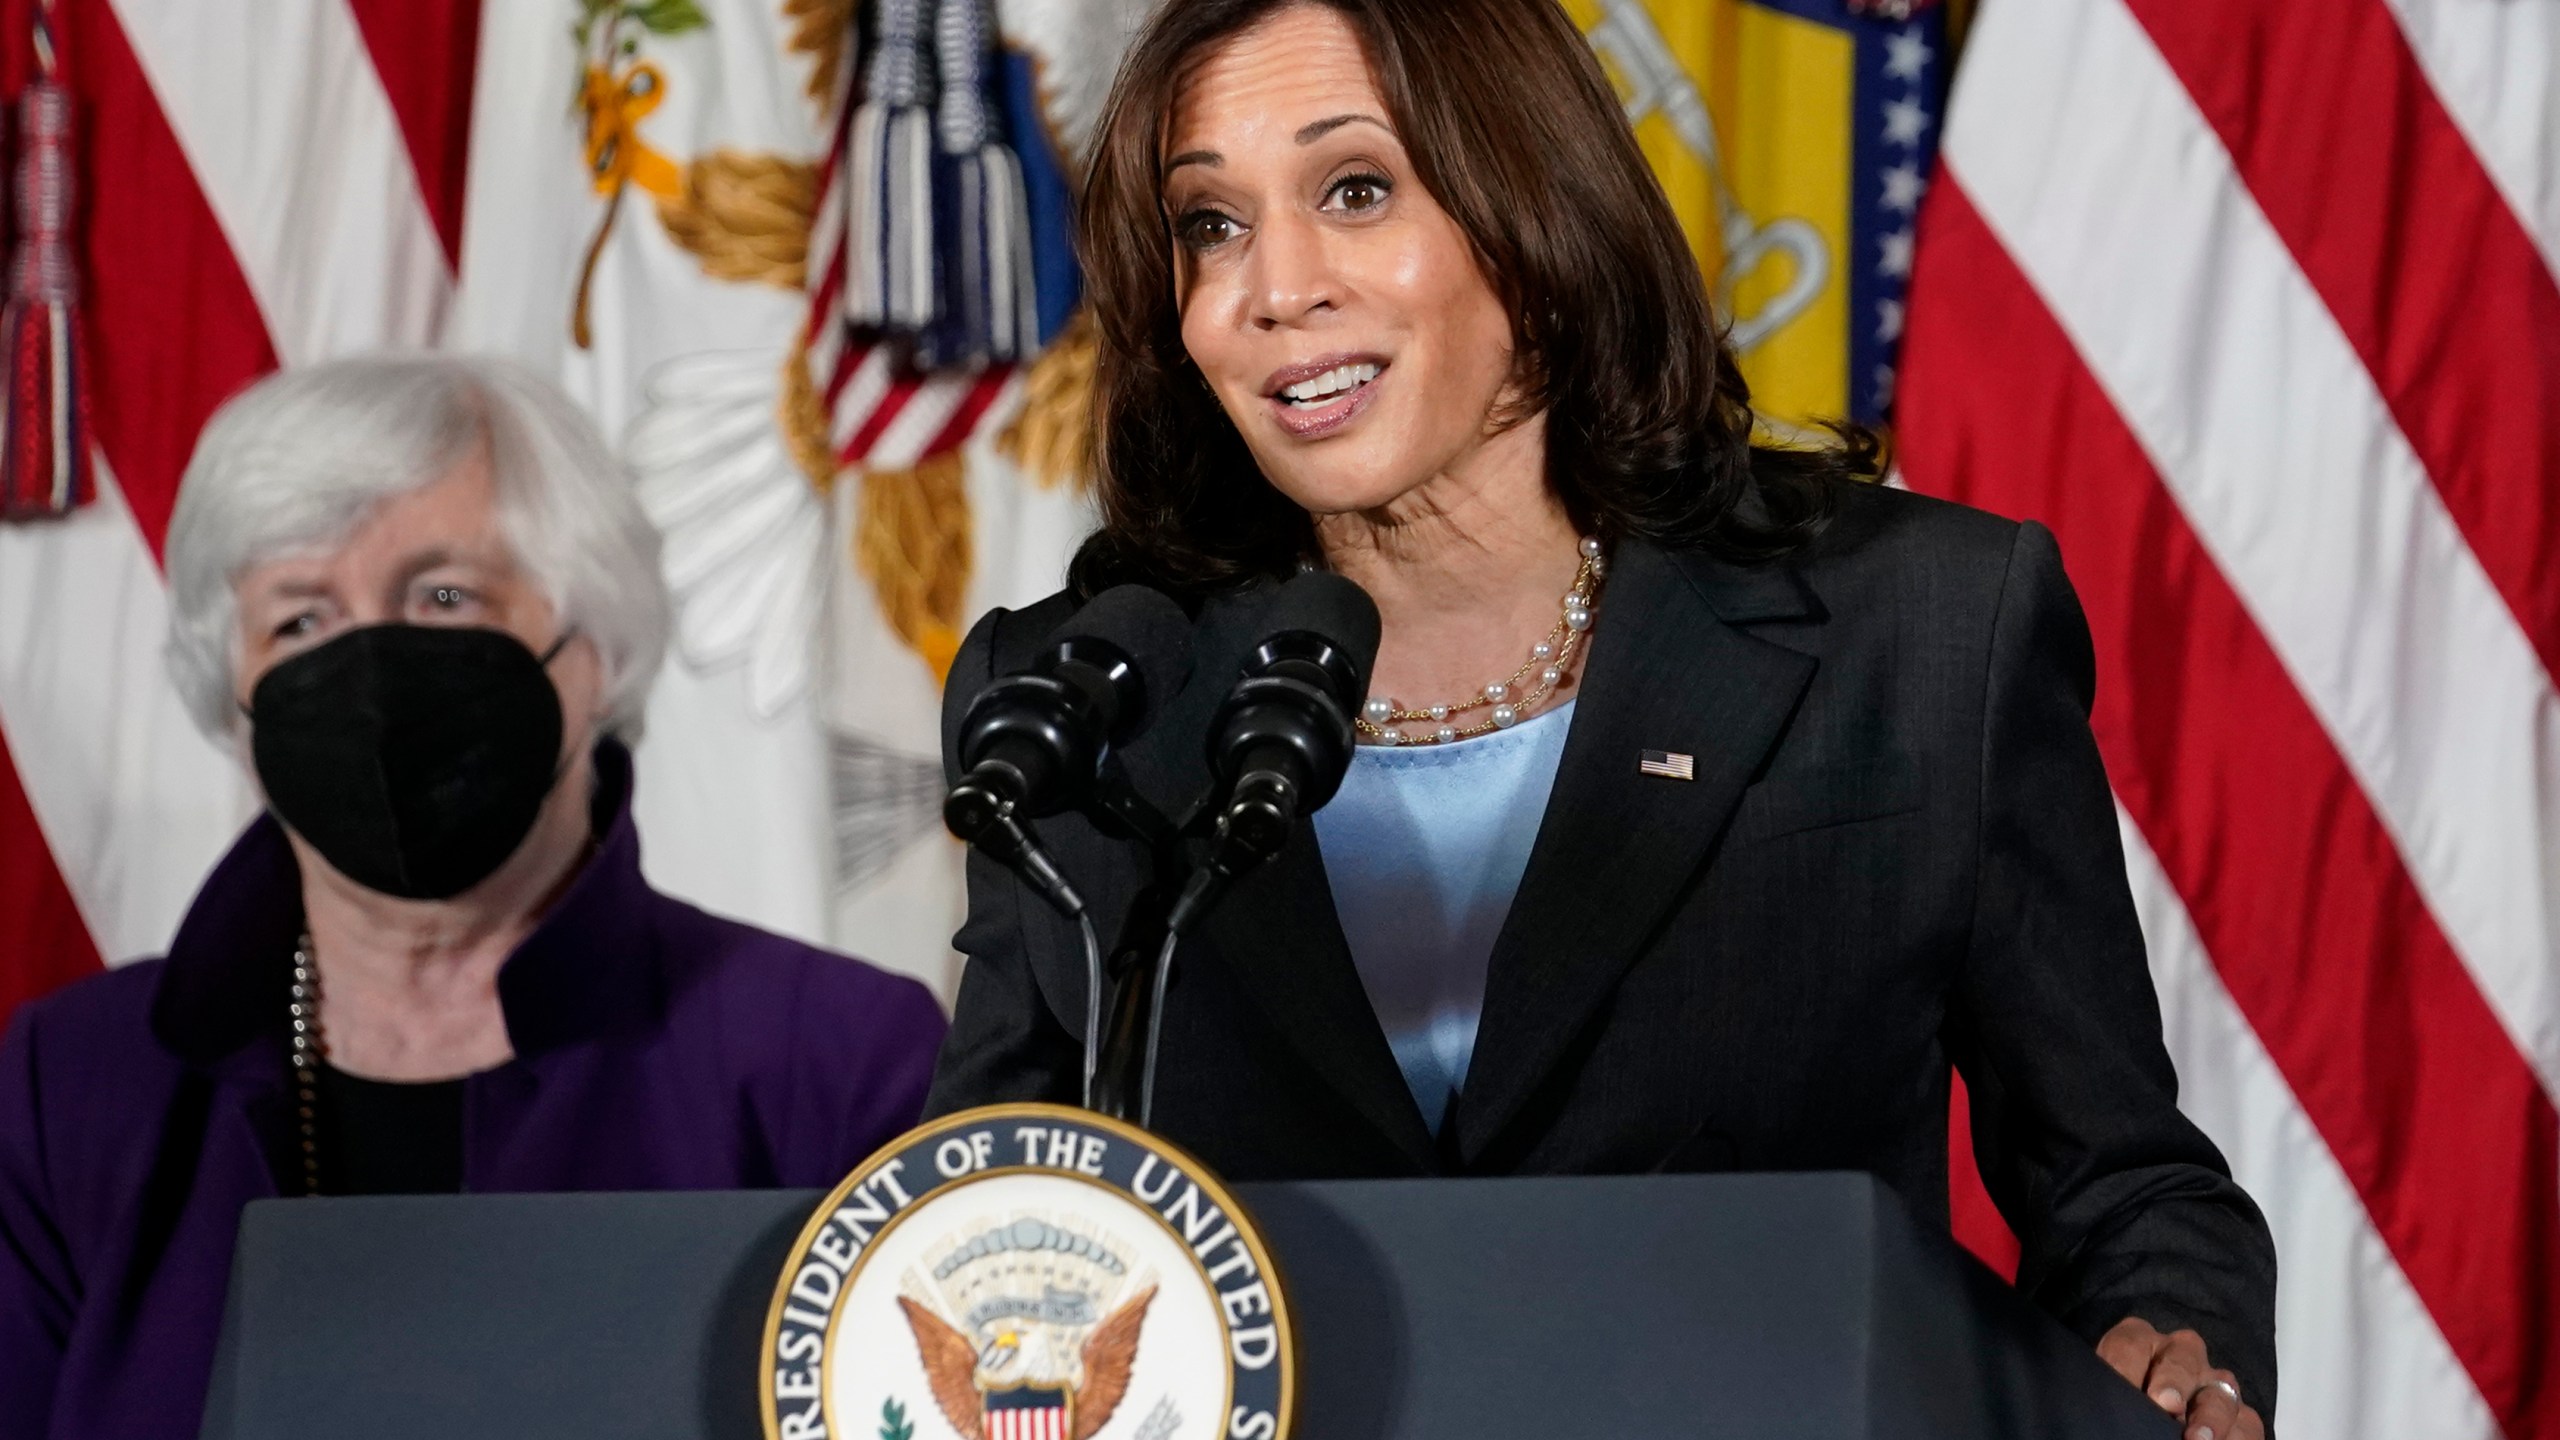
(2225, 293)
(1027, 1422)
(881, 415)
(267, 204)
(291, 133)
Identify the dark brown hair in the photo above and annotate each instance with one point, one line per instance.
(1514, 130)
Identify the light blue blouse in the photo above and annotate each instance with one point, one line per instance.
(1424, 847)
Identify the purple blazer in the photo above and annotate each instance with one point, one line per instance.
(656, 1048)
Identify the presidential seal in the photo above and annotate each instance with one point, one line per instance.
(1028, 1272)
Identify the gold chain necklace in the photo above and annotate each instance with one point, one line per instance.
(1550, 660)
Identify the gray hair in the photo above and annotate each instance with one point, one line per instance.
(301, 457)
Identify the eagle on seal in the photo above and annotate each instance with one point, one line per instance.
(1016, 1375)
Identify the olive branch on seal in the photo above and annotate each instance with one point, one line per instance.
(613, 89)
(894, 1424)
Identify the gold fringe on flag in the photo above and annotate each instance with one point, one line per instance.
(1053, 436)
(911, 541)
(823, 31)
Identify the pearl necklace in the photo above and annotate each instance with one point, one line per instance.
(306, 1058)
(1550, 658)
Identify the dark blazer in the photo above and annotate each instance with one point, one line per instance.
(1899, 854)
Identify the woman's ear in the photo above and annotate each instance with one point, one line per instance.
(578, 675)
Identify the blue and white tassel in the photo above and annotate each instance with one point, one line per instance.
(889, 241)
(991, 310)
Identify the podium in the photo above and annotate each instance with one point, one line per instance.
(1548, 1309)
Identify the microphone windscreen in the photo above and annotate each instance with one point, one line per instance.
(1146, 626)
(1322, 603)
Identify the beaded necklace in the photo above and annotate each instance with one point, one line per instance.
(1510, 701)
(306, 1058)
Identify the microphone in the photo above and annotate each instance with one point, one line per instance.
(1283, 737)
(1031, 742)
(1278, 748)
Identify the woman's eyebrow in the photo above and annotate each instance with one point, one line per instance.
(1308, 134)
(1315, 130)
(435, 557)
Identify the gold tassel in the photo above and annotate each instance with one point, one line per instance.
(911, 541)
(1052, 437)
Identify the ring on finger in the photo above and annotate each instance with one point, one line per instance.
(2227, 1388)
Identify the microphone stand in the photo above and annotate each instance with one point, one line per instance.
(1120, 1086)
(1116, 1072)
(1281, 741)
(1245, 822)
(1120, 1047)
(1172, 904)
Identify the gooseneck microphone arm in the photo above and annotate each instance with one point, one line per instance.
(983, 810)
(1278, 749)
(1118, 810)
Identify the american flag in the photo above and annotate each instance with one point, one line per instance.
(882, 414)
(2253, 303)
(1667, 764)
(883, 411)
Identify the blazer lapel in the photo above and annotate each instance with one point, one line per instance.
(1669, 671)
(1276, 935)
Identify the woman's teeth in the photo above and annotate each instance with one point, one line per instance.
(1329, 384)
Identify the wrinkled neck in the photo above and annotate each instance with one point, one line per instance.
(409, 988)
(1468, 569)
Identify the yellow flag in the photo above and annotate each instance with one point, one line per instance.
(1794, 138)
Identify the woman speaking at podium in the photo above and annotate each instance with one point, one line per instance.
(1714, 802)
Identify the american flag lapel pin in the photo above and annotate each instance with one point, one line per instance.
(1667, 764)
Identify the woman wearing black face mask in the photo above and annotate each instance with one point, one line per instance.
(417, 596)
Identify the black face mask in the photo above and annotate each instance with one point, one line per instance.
(414, 758)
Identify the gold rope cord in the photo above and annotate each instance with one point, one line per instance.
(820, 30)
(1053, 436)
(802, 417)
(911, 541)
(745, 216)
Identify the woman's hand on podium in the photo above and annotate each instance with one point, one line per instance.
(2180, 1378)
